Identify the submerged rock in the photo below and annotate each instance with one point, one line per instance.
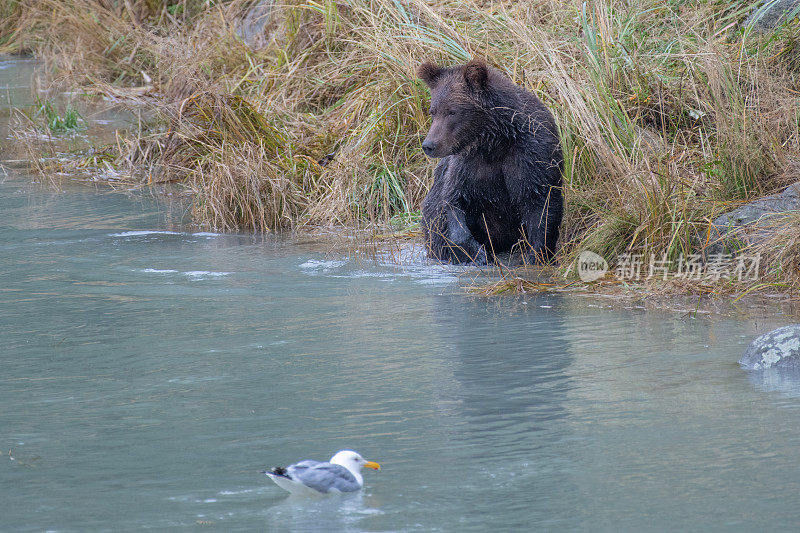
(772, 13)
(784, 381)
(750, 223)
(777, 349)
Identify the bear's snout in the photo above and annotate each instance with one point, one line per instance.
(429, 147)
(438, 142)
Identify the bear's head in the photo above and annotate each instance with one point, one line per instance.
(457, 112)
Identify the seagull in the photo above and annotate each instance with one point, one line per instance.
(341, 474)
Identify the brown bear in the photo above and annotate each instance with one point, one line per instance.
(498, 185)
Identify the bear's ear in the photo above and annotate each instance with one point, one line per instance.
(476, 75)
(429, 72)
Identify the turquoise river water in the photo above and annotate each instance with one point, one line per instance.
(149, 371)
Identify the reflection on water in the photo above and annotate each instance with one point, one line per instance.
(783, 380)
(509, 362)
(341, 512)
(149, 373)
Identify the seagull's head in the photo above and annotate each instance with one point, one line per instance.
(353, 461)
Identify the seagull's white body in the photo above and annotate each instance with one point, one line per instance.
(295, 487)
(341, 474)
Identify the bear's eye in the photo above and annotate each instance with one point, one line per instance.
(451, 113)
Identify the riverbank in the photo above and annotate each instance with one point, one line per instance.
(303, 114)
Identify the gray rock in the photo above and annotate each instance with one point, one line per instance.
(251, 27)
(755, 211)
(749, 223)
(777, 349)
(770, 14)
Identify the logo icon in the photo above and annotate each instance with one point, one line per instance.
(591, 266)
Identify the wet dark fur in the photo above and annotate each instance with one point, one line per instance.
(499, 181)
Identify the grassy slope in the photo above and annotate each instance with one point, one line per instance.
(670, 111)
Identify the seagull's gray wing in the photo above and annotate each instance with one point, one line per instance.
(323, 477)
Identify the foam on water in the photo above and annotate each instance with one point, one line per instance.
(141, 233)
(144, 233)
(193, 275)
(313, 266)
(408, 262)
(199, 274)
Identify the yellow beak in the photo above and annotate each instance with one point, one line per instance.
(374, 466)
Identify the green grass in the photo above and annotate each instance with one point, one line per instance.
(71, 121)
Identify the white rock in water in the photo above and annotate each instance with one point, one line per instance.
(777, 349)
